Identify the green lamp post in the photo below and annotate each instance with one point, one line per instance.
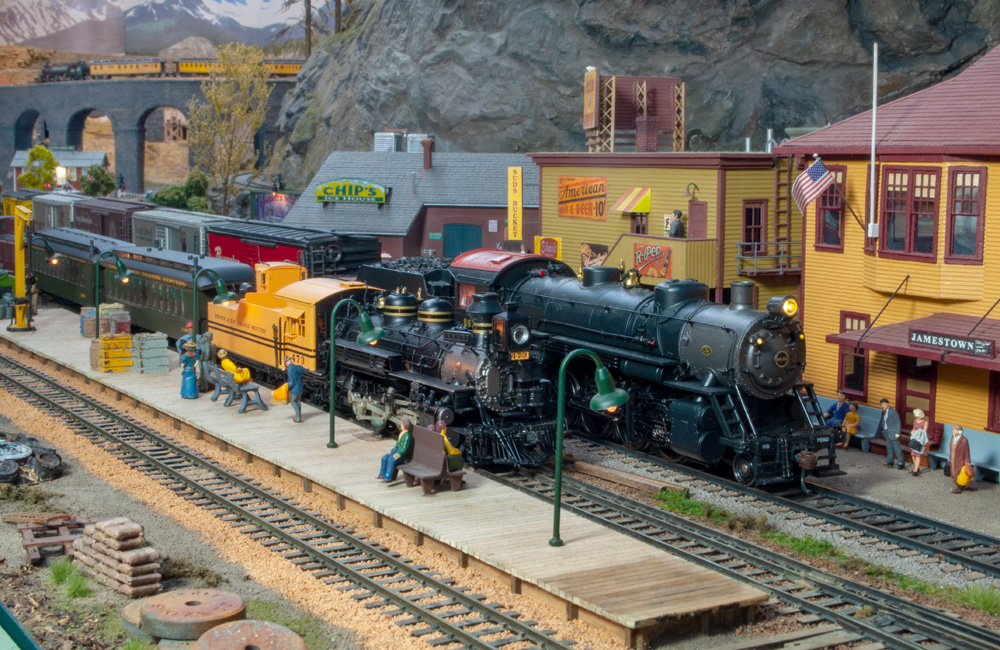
(608, 398)
(122, 275)
(369, 335)
(222, 297)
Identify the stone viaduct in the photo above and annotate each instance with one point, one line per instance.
(64, 106)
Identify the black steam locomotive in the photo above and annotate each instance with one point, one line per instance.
(713, 383)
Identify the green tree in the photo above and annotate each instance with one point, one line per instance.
(196, 184)
(97, 181)
(41, 174)
(171, 196)
(221, 129)
(192, 195)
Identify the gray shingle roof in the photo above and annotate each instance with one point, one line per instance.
(66, 158)
(454, 179)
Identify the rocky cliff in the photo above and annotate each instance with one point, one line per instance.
(508, 76)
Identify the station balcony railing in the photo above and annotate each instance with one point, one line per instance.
(768, 258)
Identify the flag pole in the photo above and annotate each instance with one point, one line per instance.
(872, 233)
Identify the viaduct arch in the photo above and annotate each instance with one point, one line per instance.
(64, 106)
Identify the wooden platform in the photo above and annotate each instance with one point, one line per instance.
(612, 581)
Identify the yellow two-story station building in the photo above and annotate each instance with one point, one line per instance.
(900, 301)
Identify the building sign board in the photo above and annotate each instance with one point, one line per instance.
(652, 260)
(583, 197)
(515, 203)
(272, 207)
(549, 247)
(591, 82)
(951, 343)
(346, 190)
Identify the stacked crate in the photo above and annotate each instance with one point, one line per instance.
(114, 320)
(150, 353)
(88, 323)
(111, 354)
(114, 552)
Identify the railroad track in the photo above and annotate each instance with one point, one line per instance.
(895, 622)
(908, 531)
(420, 600)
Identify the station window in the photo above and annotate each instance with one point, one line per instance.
(852, 367)
(830, 213)
(755, 226)
(909, 213)
(993, 412)
(966, 205)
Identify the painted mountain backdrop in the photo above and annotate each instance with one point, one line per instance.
(140, 27)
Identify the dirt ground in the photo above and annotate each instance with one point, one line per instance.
(61, 624)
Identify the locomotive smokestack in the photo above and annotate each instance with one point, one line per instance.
(741, 295)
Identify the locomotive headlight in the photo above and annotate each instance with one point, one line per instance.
(520, 334)
(786, 306)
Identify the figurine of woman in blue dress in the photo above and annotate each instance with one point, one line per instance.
(189, 384)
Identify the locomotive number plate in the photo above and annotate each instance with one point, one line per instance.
(523, 355)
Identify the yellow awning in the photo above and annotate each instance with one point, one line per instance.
(636, 199)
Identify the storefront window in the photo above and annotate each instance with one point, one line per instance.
(965, 216)
(640, 223)
(853, 367)
(754, 226)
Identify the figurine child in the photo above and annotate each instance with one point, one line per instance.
(399, 454)
(918, 439)
(189, 385)
(851, 423)
(295, 375)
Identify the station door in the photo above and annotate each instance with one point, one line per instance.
(461, 237)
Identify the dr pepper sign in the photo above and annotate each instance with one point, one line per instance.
(514, 204)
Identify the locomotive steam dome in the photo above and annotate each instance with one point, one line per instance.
(399, 308)
(436, 311)
(482, 310)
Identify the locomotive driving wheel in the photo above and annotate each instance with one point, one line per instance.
(744, 469)
(591, 423)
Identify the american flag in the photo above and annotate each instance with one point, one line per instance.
(811, 184)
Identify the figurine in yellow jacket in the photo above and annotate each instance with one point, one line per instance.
(240, 375)
(454, 454)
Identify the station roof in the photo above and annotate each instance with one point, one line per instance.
(472, 180)
(960, 116)
(66, 158)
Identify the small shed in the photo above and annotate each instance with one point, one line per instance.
(175, 230)
(54, 210)
(76, 163)
(108, 216)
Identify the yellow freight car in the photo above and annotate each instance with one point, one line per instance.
(281, 67)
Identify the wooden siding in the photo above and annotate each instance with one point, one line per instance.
(690, 258)
(853, 281)
(666, 185)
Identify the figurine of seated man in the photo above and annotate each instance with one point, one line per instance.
(399, 454)
(240, 375)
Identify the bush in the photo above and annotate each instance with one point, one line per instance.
(171, 196)
(199, 204)
(97, 181)
(196, 184)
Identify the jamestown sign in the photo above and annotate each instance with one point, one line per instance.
(977, 347)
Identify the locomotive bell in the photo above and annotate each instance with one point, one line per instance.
(399, 308)
(436, 311)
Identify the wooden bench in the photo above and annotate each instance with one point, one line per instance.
(984, 450)
(225, 384)
(429, 463)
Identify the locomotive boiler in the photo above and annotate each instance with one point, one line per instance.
(706, 381)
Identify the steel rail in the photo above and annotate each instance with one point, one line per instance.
(898, 527)
(681, 536)
(215, 488)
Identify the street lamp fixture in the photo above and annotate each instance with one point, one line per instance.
(608, 398)
(369, 335)
(122, 275)
(687, 190)
(52, 257)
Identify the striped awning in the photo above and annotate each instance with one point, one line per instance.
(636, 199)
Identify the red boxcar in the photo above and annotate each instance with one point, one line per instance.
(108, 216)
(321, 253)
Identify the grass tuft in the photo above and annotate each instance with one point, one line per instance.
(172, 569)
(137, 644)
(309, 627)
(807, 545)
(60, 570)
(865, 611)
(28, 495)
(76, 586)
(982, 597)
(675, 501)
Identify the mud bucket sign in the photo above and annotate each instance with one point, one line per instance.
(652, 260)
(346, 190)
